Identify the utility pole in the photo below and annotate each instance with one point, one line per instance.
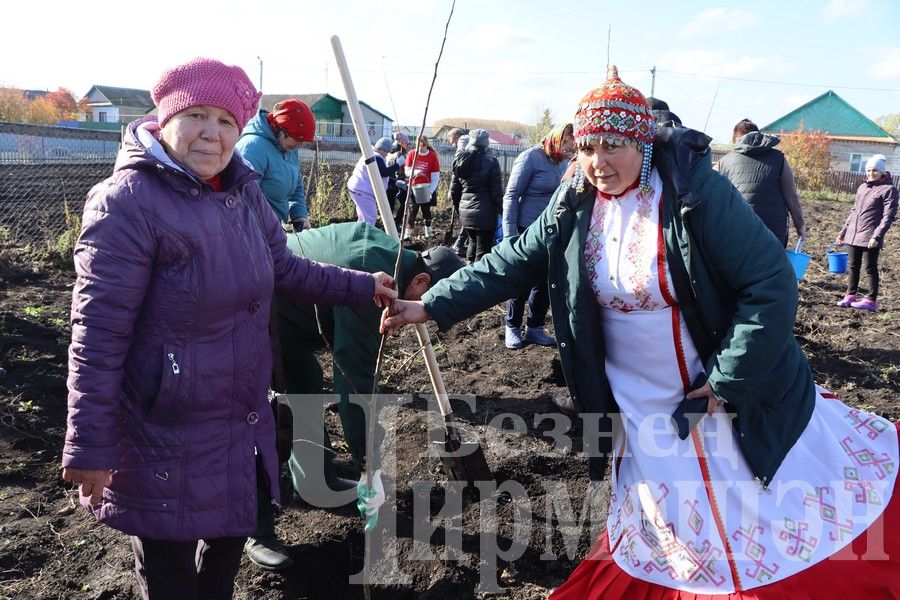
(260, 73)
(652, 81)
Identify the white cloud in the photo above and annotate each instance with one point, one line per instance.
(886, 65)
(724, 64)
(838, 9)
(490, 36)
(718, 20)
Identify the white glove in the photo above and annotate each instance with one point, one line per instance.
(374, 503)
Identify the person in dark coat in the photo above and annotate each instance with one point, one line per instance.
(870, 218)
(169, 425)
(764, 178)
(667, 292)
(396, 188)
(477, 188)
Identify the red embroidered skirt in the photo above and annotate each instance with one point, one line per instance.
(857, 571)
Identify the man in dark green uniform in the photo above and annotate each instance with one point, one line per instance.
(353, 337)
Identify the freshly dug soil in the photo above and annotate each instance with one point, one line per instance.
(517, 543)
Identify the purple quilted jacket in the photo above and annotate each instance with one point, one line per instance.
(170, 359)
(874, 209)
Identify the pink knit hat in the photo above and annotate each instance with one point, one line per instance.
(206, 81)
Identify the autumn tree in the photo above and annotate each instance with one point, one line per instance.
(46, 109)
(809, 155)
(13, 105)
(542, 127)
(64, 103)
(890, 123)
(41, 112)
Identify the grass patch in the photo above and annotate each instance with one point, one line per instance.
(827, 195)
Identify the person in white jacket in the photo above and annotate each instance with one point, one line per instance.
(360, 187)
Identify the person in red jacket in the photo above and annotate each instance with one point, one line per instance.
(426, 171)
(869, 219)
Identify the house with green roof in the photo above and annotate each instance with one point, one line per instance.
(854, 137)
(333, 115)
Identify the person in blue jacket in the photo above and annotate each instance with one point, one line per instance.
(271, 143)
(535, 176)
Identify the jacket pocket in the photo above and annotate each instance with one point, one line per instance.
(141, 503)
(174, 373)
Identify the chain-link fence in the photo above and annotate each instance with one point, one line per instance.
(46, 173)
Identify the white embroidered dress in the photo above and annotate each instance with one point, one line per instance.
(688, 514)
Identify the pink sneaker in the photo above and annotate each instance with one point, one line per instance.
(847, 301)
(865, 304)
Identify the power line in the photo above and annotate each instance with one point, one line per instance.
(790, 83)
(658, 70)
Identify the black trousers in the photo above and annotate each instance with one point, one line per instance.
(854, 263)
(538, 300)
(203, 569)
(426, 214)
(413, 211)
(480, 243)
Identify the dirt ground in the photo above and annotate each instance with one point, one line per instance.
(510, 544)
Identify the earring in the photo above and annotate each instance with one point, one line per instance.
(578, 179)
(646, 190)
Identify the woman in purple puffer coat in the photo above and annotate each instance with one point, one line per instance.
(873, 212)
(169, 426)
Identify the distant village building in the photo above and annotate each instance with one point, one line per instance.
(333, 115)
(497, 137)
(116, 106)
(854, 137)
(110, 107)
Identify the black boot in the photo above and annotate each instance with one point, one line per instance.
(268, 553)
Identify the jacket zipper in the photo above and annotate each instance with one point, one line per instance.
(175, 368)
(684, 215)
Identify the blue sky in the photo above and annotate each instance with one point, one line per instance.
(504, 59)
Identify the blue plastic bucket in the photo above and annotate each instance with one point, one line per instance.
(799, 261)
(837, 261)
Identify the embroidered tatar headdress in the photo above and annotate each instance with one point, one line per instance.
(618, 114)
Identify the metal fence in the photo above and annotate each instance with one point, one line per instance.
(46, 173)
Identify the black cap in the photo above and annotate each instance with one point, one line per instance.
(666, 118)
(657, 104)
(440, 262)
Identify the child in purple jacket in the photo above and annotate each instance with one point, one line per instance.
(871, 216)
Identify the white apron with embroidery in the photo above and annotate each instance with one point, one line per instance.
(666, 525)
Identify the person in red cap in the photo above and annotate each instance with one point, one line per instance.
(179, 257)
(271, 143)
(734, 476)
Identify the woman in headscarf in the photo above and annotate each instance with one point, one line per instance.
(271, 143)
(733, 474)
(169, 425)
(535, 176)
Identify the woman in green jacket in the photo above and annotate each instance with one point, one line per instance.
(668, 293)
